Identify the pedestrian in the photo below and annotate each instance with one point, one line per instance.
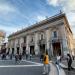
(41, 57)
(69, 61)
(30, 56)
(16, 58)
(46, 62)
(58, 60)
(11, 56)
(27, 55)
(20, 57)
(7, 53)
(2, 56)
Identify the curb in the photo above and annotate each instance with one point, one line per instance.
(56, 67)
(59, 70)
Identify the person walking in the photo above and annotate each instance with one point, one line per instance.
(27, 55)
(46, 62)
(30, 56)
(11, 56)
(20, 57)
(41, 57)
(58, 60)
(16, 58)
(69, 61)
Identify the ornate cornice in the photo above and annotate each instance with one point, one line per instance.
(46, 21)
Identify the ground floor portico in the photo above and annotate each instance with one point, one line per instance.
(55, 48)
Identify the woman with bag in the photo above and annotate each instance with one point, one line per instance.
(46, 62)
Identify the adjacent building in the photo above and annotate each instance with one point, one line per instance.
(52, 34)
(2, 38)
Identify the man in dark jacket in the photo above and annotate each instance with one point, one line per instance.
(69, 60)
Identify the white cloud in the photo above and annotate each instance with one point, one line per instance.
(9, 29)
(6, 9)
(53, 2)
(68, 6)
(40, 18)
(71, 17)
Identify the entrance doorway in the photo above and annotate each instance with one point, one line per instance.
(17, 50)
(32, 50)
(42, 48)
(56, 48)
(13, 51)
(24, 51)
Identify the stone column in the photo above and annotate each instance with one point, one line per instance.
(51, 47)
(47, 39)
(65, 47)
(27, 44)
(12, 46)
(21, 41)
(36, 44)
(48, 44)
(61, 47)
(10, 42)
(64, 40)
(15, 46)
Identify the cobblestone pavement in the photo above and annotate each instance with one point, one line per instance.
(8, 67)
(29, 67)
(25, 67)
(36, 70)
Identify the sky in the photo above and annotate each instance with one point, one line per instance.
(18, 14)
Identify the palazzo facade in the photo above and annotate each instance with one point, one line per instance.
(52, 34)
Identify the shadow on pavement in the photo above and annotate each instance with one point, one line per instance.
(71, 72)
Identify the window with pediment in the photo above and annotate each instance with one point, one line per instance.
(54, 34)
(32, 39)
(41, 36)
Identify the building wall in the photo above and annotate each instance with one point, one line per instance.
(47, 30)
(74, 46)
(62, 32)
(69, 37)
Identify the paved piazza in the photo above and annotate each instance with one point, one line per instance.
(24, 68)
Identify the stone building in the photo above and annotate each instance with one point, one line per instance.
(73, 47)
(52, 34)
